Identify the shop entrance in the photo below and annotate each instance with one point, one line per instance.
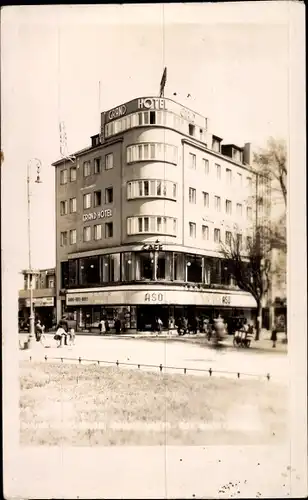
(146, 316)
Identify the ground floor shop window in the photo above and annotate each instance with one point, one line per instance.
(194, 268)
(144, 266)
(89, 271)
(128, 266)
(110, 268)
(152, 265)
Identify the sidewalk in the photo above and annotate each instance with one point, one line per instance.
(262, 345)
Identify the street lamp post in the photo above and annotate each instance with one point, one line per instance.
(31, 272)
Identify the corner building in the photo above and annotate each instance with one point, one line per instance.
(140, 216)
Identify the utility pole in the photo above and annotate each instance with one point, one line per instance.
(30, 272)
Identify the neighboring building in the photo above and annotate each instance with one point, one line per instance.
(140, 215)
(44, 297)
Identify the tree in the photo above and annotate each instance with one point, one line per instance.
(250, 267)
(272, 162)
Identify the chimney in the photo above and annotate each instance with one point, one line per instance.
(247, 154)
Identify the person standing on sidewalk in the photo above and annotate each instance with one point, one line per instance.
(63, 324)
(102, 327)
(274, 337)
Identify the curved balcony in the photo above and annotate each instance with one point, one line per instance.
(152, 151)
(152, 224)
(151, 188)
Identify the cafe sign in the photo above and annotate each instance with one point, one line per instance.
(102, 214)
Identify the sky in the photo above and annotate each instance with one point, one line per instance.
(232, 58)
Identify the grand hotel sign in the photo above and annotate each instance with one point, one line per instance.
(101, 214)
(155, 103)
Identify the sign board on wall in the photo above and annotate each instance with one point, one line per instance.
(102, 214)
(41, 302)
(174, 297)
(158, 104)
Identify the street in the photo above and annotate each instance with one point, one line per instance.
(170, 353)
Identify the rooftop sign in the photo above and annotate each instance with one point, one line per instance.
(155, 103)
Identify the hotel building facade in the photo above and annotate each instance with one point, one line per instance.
(140, 216)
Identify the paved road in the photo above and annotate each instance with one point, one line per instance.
(169, 353)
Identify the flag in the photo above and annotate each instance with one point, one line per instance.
(163, 82)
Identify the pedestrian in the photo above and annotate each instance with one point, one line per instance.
(72, 336)
(102, 327)
(117, 325)
(185, 325)
(171, 324)
(60, 336)
(274, 337)
(107, 326)
(39, 330)
(63, 323)
(194, 325)
(179, 325)
(159, 325)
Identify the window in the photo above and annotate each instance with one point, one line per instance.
(217, 201)
(206, 199)
(152, 224)
(218, 171)
(192, 195)
(151, 187)
(87, 233)
(97, 165)
(205, 232)
(239, 179)
(97, 198)
(228, 238)
(73, 174)
(192, 229)
(248, 242)
(109, 230)
(228, 207)
(109, 195)
(63, 239)
(86, 168)
(146, 188)
(109, 161)
(192, 161)
(239, 209)
(73, 236)
(63, 176)
(249, 182)
(127, 266)
(191, 129)
(229, 175)
(63, 207)
(206, 166)
(51, 283)
(87, 201)
(152, 151)
(73, 205)
(98, 232)
(217, 235)
(89, 271)
(239, 240)
(249, 212)
(193, 268)
(216, 145)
